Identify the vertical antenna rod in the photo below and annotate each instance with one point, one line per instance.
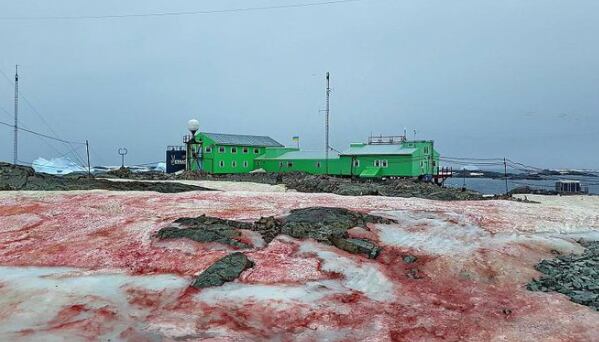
(16, 131)
(326, 139)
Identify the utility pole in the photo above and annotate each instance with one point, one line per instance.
(89, 170)
(16, 128)
(326, 140)
(505, 175)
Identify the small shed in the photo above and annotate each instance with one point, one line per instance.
(568, 187)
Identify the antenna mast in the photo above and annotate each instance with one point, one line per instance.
(326, 140)
(16, 127)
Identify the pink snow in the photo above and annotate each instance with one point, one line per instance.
(85, 265)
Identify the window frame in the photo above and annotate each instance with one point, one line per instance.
(245, 150)
(246, 164)
(356, 163)
(234, 163)
(289, 164)
(233, 149)
(385, 163)
(221, 149)
(221, 164)
(208, 149)
(318, 165)
(256, 150)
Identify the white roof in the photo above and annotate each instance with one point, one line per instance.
(374, 149)
(306, 155)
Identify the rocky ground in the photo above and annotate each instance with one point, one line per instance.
(325, 225)
(317, 184)
(109, 265)
(25, 178)
(575, 275)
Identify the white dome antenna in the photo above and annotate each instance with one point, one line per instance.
(193, 125)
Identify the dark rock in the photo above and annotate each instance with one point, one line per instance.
(330, 226)
(16, 177)
(409, 259)
(576, 276)
(303, 182)
(224, 270)
(206, 229)
(325, 225)
(358, 246)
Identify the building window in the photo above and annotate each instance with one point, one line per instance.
(245, 150)
(425, 149)
(280, 164)
(208, 149)
(384, 163)
(221, 163)
(234, 163)
(256, 151)
(221, 149)
(318, 164)
(233, 149)
(356, 163)
(289, 164)
(421, 163)
(245, 163)
(377, 163)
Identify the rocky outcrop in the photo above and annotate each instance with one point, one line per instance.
(576, 276)
(325, 225)
(206, 229)
(304, 182)
(224, 270)
(16, 177)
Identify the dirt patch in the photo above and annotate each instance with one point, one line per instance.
(16, 177)
(575, 275)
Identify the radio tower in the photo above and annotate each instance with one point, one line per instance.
(326, 139)
(16, 131)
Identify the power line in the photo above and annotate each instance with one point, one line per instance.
(183, 13)
(41, 117)
(41, 134)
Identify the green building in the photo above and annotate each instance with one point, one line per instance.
(226, 153)
(380, 157)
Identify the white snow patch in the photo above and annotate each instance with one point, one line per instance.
(39, 293)
(452, 235)
(240, 292)
(364, 277)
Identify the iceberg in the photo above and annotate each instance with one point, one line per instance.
(56, 166)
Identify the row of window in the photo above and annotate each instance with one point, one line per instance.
(221, 149)
(381, 163)
(356, 163)
(233, 163)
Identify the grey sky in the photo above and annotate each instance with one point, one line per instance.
(482, 78)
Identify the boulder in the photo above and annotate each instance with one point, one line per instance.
(224, 270)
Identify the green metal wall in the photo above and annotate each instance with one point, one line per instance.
(242, 159)
(313, 166)
(231, 159)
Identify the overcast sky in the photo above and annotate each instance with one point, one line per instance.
(484, 79)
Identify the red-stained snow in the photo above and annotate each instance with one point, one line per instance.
(85, 265)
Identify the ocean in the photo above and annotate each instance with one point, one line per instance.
(497, 186)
